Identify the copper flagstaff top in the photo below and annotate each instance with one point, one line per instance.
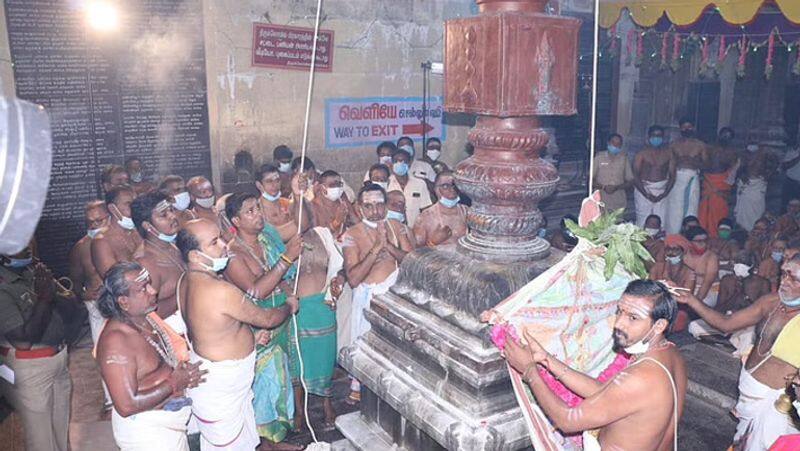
(511, 5)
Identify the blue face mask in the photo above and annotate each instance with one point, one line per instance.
(396, 215)
(777, 256)
(542, 233)
(656, 141)
(18, 263)
(167, 238)
(270, 197)
(449, 203)
(613, 150)
(400, 168)
(789, 302)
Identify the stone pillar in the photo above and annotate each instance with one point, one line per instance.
(508, 65)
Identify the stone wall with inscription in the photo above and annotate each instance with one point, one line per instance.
(136, 90)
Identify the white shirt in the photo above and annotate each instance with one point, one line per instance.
(794, 171)
(419, 169)
(416, 194)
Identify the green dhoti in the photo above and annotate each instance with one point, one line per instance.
(316, 323)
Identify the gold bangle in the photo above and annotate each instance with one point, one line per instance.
(286, 259)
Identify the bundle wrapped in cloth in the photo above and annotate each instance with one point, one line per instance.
(570, 310)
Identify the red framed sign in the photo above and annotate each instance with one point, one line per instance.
(286, 47)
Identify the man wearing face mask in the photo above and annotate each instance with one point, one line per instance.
(32, 345)
(641, 406)
(219, 317)
(691, 156)
(758, 165)
(202, 196)
(118, 241)
(113, 176)
(417, 167)
(174, 188)
(85, 279)
(613, 174)
(330, 208)
(653, 176)
(655, 239)
(672, 269)
(705, 264)
(280, 214)
(379, 174)
(770, 267)
(789, 223)
(445, 221)
(719, 176)
(725, 247)
(414, 189)
(282, 160)
(433, 151)
(774, 355)
(373, 250)
(385, 150)
(135, 170)
(157, 223)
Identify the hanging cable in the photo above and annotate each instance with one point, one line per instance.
(595, 56)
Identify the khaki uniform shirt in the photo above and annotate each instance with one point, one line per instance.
(17, 299)
(612, 170)
(416, 194)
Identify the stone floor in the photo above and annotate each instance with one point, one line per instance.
(706, 426)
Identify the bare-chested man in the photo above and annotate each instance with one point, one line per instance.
(655, 239)
(113, 176)
(758, 165)
(672, 269)
(218, 317)
(146, 378)
(725, 247)
(373, 250)
(691, 156)
(705, 264)
(789, 223)
(330, 208)
(263, 267)
(640, 407)
(445, 221)
(775, 355)
(718, 178)
(135, 170)
(119, 241)
(279, 213)
(174, 188)
(759, 238)
(282, 160)
(157, 223)
(770, 266)
(202, 196)
(653, 176)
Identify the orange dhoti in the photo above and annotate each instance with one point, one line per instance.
(714, 201)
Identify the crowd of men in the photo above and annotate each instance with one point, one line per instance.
(215, 313)
(190, 296)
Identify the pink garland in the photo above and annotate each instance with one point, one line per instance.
(629, 40)
(740, 67)
(796, 68)
(664, 47)
(704, 56)
(676, 51)
(770, 51)
(639, 48)
(723, 51)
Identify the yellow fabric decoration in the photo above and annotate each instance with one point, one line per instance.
(684, 12)
(787, 346)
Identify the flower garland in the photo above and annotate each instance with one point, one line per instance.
(740, 66)
(770, 51)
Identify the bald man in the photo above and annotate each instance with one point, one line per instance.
(202, 196)
(219, 317)
(118, 241)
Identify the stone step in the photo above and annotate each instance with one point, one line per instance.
(713, 373)
(704, 426)
(361, 435)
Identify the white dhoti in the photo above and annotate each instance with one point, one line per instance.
(96, 324)
(154, 430)
(223, 405)
(362, 295)
(683, 200)
(344, 316)
(742, 339)
(760, 424)
(751, 202)
(175, 321)
(644, 207)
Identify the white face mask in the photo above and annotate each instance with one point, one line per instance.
(370, 224)
(384, 185)
(182, 201)
(386, 159)
(741, 270)
(673, 260)
(334, 194)
(641, 346)
(206, 202)
(124, 221)
(396, 215)
(651, 231)
(752, 147)
(796, 405)
(217, 263)
(270, 197)
(434, 154)
(136, 177)
(93, 232)
(285, 167)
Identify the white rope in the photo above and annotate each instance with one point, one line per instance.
(300, 218)
(595, 57)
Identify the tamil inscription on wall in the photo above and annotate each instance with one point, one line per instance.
(137, 89)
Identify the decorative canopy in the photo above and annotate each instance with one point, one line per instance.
(646, 13)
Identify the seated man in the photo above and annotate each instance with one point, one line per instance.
(219, 317)
(704, 263)
(113, 176)
(135, 170)
(774, 356)
(672, 269)
(770, 266)
(655, 239)
(201, 192)
(689, 222)
(174, 187)
(637, 409)
(789, 223)
(396, 209)
(146, 378)
(32, 344)
(385, 150)
(758, 239)
(445, 221)
(724, 246)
